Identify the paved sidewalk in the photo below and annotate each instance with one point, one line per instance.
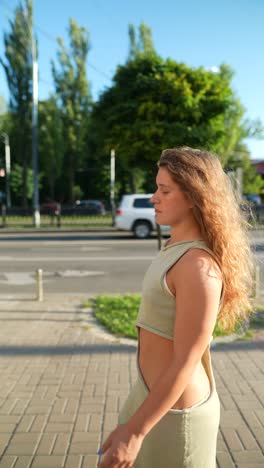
(62, 384)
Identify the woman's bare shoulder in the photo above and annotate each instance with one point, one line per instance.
(197, 265)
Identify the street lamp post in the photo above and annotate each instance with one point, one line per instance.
(7, 169)
(36, 214)
(112, 185)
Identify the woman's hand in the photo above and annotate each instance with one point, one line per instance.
(121, 448)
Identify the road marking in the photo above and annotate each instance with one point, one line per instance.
(83, 242)
(73, 259)
(81, 247)
(23, 278)
(26, 278)
(78, 273)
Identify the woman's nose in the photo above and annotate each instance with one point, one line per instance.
(154, 198)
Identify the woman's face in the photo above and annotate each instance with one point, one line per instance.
(171, 205)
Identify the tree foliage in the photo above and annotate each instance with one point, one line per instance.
(143, 45)
(74, 99)
(16, 183)
(252, 182)
(155, 104)
(51, 148)
(18, 69)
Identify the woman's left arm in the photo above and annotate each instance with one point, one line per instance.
(197, 282)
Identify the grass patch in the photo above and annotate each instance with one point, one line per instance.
(18, 222)
(118, 314)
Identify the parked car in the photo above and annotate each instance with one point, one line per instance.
(51, 209)
(253, 198)
(89, 207)
(136, 213)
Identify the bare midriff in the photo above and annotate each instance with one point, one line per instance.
(155, 356)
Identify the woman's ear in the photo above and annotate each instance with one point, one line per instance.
(189, 201)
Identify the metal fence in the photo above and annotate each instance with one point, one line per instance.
(21, 217)
(259, 281)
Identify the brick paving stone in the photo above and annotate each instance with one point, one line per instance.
(82, 423)
(4, 441)
(25, 423)
(8, 461)
(232, 439)
(95, 422)
(249, 465)
(23, 444)
(45, 461)
(7, 427)
(56, 408)
(89, 448)
(46, 444)
(61, 444)
(62, 418)
(59, 427)
(259, 436)
(248, 440)
(39, 423)
(252, 456)
(75, 461)
(23, 462)
(90, 461)
(224, 460)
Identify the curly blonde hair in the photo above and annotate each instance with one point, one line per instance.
(216, 208)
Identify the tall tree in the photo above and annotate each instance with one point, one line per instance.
(51, 148)
(74, 99)
(18, 68)
(144, 44)
(156, 103)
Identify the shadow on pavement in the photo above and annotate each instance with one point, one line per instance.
(109, 348)
(65, 350)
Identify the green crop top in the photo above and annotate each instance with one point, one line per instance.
(157, 308)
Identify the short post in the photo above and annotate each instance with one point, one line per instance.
(112, 185)
(159, 236)
(3, 216)
(39, 278)
(58, 220)
(257, 282)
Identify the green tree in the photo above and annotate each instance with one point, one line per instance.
(18, 70)
(154, 104)
(252, 181)
(2, 106)
(16, 183)
(51, 148)
(74, 100)
(144, 44)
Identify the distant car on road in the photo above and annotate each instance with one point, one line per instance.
(253, 198)
(136, 213)
(51, 209)
(89, 207)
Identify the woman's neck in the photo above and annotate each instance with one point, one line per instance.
(180, 234)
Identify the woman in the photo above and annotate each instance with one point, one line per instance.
(171, 416)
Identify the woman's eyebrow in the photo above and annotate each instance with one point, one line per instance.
(162, 185)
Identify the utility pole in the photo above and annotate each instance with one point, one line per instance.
(7, 169)
(36, 215)
(112, 185)
(239, 180)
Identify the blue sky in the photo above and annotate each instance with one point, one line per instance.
(197, 32)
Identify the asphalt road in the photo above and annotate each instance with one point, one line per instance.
(78, 263)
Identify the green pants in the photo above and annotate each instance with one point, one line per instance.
(182, 438)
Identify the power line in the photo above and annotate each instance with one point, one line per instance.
(53, 39)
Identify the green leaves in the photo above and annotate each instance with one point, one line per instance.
(18, 68)
(118, 313)
(74, 100)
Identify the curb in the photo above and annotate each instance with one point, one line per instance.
(101, 332)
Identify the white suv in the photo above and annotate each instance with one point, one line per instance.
(136, 213)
